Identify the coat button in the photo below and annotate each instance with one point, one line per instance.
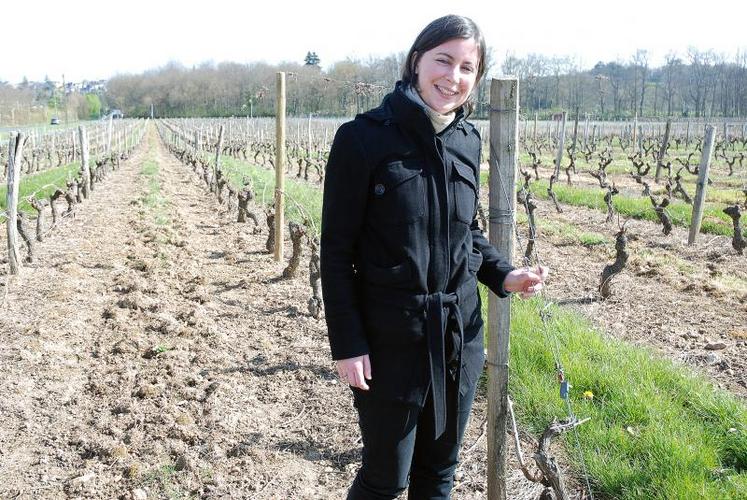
(379, 189)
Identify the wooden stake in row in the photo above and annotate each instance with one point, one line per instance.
(561, 145)
(700, 191)
(15, 158)
(280, 167)
(504, 149)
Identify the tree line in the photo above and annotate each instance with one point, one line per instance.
(27, 104)
(700, 84)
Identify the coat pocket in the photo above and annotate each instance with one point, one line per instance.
(399, 192)
(400, 274)
(474, 261)
(465, 192)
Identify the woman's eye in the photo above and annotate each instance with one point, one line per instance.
(468, 69)
(442, 61)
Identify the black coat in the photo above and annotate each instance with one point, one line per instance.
(401, 248)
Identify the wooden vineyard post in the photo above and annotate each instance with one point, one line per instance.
(308, 141)
(15, 158)
(218, 150)
(84, 160)
(534, 133)
(561, 145)
(109, 136)
(663, 150)
(700, 190)
(586, 130)
(575, 133)
(279, 166)
(504, 149)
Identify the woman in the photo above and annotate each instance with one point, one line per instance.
(401, 255)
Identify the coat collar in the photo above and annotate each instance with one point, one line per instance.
(398, 108)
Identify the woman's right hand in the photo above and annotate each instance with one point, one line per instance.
(355, 371)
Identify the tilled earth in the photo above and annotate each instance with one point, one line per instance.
(152, 351)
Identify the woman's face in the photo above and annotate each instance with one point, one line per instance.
(446, 74)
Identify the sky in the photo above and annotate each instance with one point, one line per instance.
(97, 39)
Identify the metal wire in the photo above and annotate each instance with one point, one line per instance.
(551, 339)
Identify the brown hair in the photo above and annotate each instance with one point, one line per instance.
(437, 32)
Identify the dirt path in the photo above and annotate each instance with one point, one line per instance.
(152, 352)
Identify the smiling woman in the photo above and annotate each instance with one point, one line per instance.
(401, 254)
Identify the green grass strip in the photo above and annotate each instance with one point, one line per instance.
(43, 184)
(302, 199)
(656, 429)
(714, 220)
(153, 198)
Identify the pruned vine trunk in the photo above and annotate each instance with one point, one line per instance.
(610, 270)
(737, 242)
(39, 205)
(662, 214)
(55, 211)
(21, 227)
(316, 305)
(611, 191)
(270, 244)
(297, 233)
(546, 462)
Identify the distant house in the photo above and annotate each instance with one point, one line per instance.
(89, 86)
(117, 113)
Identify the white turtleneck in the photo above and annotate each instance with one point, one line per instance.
(439, 121)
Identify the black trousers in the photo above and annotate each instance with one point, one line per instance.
(399, 449)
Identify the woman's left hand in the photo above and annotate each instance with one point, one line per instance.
(526, 281)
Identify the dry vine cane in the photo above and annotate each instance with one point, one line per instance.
(525, 198)
(551, 193)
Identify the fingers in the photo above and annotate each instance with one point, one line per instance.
(356, 377)
(532, 281)
(354, 372)
(367, 367)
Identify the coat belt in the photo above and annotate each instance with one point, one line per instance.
(445, 339)
(445, 335)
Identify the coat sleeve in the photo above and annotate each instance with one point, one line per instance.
(343, 210)
(495, 267)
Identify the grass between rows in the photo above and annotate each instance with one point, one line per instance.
(656, 429)
(621, 165)
(42, 185)
(302, 200)
(152, 198)
(714, 221)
